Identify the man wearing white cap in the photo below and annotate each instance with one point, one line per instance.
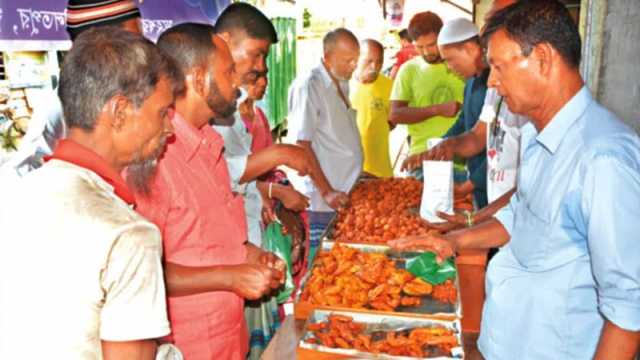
(498, 129)
(459, 46)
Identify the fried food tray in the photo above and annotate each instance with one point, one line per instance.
(379, 323)
(429, 307)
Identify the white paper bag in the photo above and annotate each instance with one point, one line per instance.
(437, 192)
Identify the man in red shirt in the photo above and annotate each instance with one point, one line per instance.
(406, 52)
(210, 268)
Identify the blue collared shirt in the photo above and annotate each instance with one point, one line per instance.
(574, 255)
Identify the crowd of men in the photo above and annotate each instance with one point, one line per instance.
(136, 229)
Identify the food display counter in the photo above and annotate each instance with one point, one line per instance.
(360, 301)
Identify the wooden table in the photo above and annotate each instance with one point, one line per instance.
(285, 342)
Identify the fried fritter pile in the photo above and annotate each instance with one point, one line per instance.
(341, 331)
(347, 277)
(378, 212)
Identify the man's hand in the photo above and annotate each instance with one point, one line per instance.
(413, 162)
(255, 255)
(268, 215)
(452, 222)
(435, 243)
(443, 151)
(253, 281)
(463, 189)
(336, 199)
(449, 109)
(457, 218)
(292, 199)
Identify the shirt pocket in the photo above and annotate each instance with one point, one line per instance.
(532, 238)
(177, 239)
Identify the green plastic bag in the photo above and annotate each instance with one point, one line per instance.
(278, 243)
(426, 267)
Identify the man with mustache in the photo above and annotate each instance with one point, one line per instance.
(249, 35)
(210, 268)
(426, 95)
(80, 271)
(370, 98)
(566, 281)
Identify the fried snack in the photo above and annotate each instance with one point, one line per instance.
(350, 278)
(417, 287)
(347, 334)
(378, 212)
(347, 277)
(410, 301)
(445, 292)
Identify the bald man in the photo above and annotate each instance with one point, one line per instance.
(370, 98)
(321, 120)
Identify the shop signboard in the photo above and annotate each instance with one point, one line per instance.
(40, 24)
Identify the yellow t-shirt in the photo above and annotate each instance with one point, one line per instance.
(371, 101)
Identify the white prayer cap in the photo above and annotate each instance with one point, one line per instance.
(457, 30)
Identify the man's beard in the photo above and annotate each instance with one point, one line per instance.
(141, 171)
(432, 59)
(217, 103)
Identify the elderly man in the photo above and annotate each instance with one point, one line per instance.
(499, 132)
(46, 126)
(322, 120)
(370, 98)
(210, 266)
(426, 95)
(81, 271)
(566, 283)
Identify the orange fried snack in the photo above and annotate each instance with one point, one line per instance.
(347, 277)
(378, 212)
(346, 334)
(445, 292)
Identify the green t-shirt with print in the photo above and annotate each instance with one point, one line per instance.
(422, 84)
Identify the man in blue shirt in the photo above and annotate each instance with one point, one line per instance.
(566, 283)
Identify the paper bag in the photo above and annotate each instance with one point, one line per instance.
(437, 192)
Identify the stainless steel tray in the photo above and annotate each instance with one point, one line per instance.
(381, 323)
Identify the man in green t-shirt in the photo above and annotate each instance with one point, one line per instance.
(426, 95)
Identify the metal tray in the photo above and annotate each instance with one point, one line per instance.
(428, 307)
(381, 323)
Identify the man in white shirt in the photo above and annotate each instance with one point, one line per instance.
(80, 271)
(321, 119)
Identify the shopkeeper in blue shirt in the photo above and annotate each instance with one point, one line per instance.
(566, 283)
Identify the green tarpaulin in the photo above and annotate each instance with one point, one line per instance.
(282, 70)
